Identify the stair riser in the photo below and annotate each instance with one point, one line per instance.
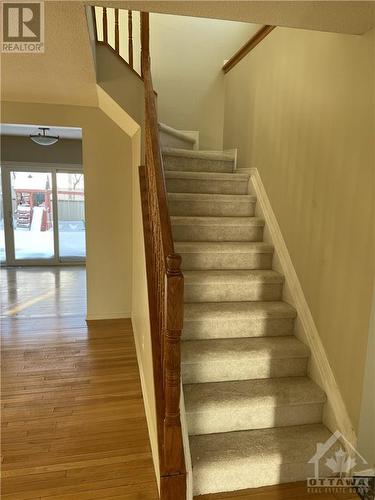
(211, 208)
(197, 164)
(241, 475)
(243, 370)
(170, 141)
(233, 419)
(217, 233)
(206, 186)
(232, 292)
(198, 261)
(235, 328)
(252, 417)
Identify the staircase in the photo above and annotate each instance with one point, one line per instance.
(254, 417)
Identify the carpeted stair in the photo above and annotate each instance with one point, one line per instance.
(254, 417)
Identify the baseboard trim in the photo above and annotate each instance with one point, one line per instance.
(109, 316)
(336, 416)
(151, 425)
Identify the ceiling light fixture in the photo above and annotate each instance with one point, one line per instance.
(43, 139)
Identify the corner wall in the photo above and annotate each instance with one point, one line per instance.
(187, 54)
(113, 105)
(116, 283)
(140, 311)
(107, 161)
(300, 108)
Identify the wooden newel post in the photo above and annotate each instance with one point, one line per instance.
(174, 314)
(105, 25)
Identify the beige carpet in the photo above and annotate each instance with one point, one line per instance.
(254, 417)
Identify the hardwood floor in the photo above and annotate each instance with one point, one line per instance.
(29, 292)
(73, 421)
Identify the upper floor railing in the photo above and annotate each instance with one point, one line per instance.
(164, 277)
(120, 30)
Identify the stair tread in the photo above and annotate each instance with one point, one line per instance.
(216, 221)
(232, 276)
(270, 392)
(229, 155)
(232, 374)
(246, 348)
(222, 247)
(212, 197)
(212, 176)
(196, 311)
(294, 444)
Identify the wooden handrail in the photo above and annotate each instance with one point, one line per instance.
(247, 47)
(166, 291)
(165, 284)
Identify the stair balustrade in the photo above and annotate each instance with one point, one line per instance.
(164, 277)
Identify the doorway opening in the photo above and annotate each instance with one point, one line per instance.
(42, 212)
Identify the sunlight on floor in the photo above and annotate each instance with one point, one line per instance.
(43, 291)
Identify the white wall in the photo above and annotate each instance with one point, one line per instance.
(366, 434)
(115, 78)
(107, 162)
(140, 311)
(187, 55)
(300, 108)
(22, 149)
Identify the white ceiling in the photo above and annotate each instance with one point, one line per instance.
(340, 16)
(26, 130)
(65, 72)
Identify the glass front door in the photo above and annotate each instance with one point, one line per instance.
(71, 215)
(32, 215)
(44, 218)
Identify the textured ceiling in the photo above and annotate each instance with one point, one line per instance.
(353, 17)
(65, 73)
